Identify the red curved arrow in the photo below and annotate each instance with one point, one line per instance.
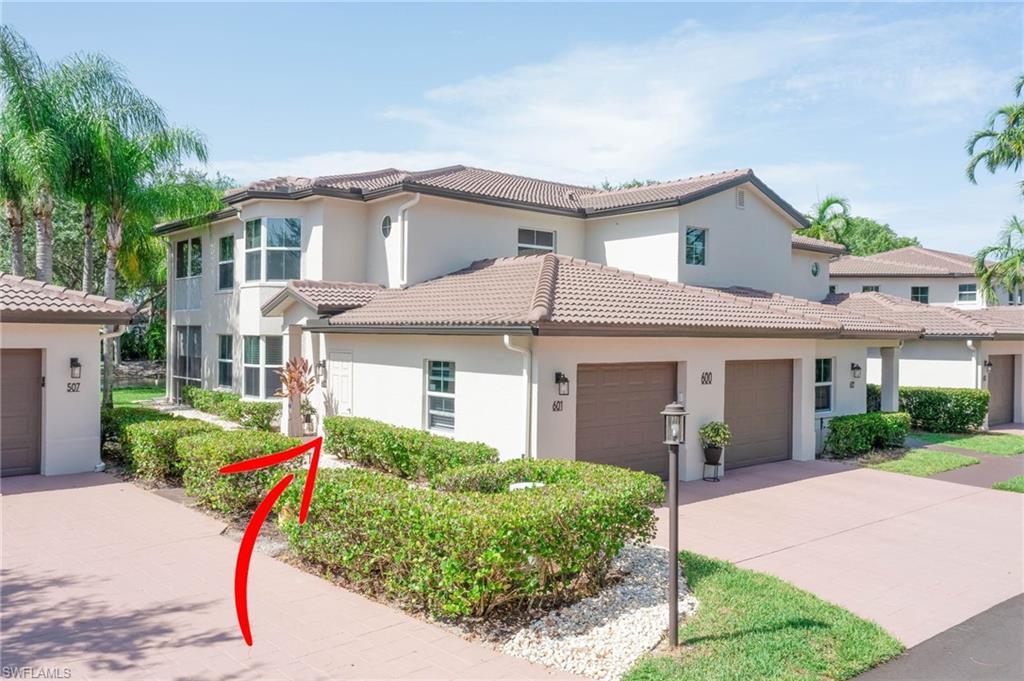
(259, 516)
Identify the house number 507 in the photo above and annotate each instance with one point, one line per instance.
(73, 387)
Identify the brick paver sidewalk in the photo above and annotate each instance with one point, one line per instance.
(113, 582)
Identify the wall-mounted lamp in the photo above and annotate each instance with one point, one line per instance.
(76, 368)
(988, 366)
(855, 370)
(562, 381)
(321, 371)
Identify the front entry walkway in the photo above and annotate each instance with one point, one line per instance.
(108, 581)
(915, 555)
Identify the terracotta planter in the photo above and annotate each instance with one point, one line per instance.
(713, 456)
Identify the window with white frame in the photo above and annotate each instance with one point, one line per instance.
(226, 263)
(225, 360)
(823, 384)
(440, 395)
(188, 258)
(696, 246)
(919, 294)
(869, 289)
(536, 241)
(262, 357)
(967, 292)
(273, 249)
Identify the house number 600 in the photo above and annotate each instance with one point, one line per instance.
(705, 378)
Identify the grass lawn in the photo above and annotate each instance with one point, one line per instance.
(753, 626)
(924, 462)
(1014, 484)
(124, 396)
(1000, 444)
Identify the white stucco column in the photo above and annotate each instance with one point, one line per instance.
(291, 416)
(804, 444)
(890, 379)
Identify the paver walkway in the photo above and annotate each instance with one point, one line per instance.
(989, 470)
(916, 555)
(110, 581)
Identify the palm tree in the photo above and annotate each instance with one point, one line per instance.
(830, 220)
(95, 96)
(140, 188)
(1001, 143)
(29, 125)
(1002, 264)
(13, 191)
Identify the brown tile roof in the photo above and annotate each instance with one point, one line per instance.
(558, 294)
(807, 243)
(902, 262)
(28, 300)
(325, 297)
(490, 186)
(937, 321)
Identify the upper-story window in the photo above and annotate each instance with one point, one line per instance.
(188, 258)
(696, 246)
(273, 249)
(536, 241)
(967, 293)
(226, 263)
(919, 294)
(869, 289)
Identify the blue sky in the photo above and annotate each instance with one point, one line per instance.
(870, 101)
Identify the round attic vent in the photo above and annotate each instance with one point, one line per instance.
(385, 226)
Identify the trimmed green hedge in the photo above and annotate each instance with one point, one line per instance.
(874, 397)
(149, 449)
(471, 545)
(405, 452)
(860, 433)
(202, 456)
(113, 420)
(945, 410)
(231, 406)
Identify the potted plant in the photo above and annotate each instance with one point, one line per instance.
(713, 436)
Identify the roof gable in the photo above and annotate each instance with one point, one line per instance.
(31, 301)
(909, 261)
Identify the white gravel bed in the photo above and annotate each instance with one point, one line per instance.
(603, 636)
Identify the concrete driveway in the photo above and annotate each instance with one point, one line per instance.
(104, 580)
(915, 555)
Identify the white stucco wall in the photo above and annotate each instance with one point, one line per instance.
(803, 282)
(70, 420)
(647, 243)
(931, 363)
(941, 290)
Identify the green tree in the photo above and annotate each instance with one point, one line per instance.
(141, 188)
(629, 184)
(1002, 263)
(1001, 143)
(865, 236)
(830, 219)
(36, 148)
(13, 192)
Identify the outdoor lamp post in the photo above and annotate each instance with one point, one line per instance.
(675, 434)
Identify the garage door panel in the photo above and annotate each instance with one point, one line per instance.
(1000, 387)
(618, 417)
(21, 411)
(759, 411)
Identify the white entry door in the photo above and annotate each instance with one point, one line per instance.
(339, 384)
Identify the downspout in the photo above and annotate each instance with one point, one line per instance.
(118, 331)
(974, 360)
(403, 217)
(527, 371)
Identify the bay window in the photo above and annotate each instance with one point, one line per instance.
(262, 357)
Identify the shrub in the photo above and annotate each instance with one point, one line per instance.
(202, 456)
(149, 446)
(230, 406)
(945, 410)
(874, 397)
(406, 452)
(113, 421)
(860, 433)
(714, 434)
(469, 545)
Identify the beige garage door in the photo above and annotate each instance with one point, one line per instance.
(21, 406)
(1000, 388)
(618, 414)
(759, 411)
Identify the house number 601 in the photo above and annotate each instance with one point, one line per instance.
(705, 378)
(556, 405)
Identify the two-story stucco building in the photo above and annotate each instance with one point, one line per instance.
(546, 319)
(922, 275)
